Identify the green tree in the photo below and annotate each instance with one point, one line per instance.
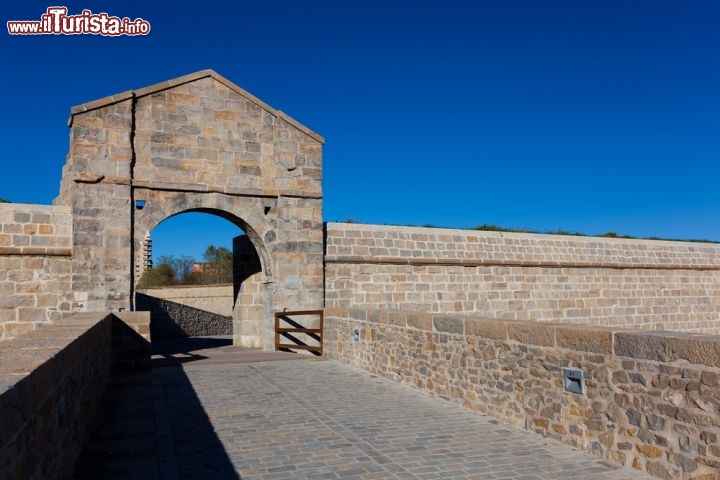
(219, 265)
(162, 275)
(2, 200)
(171, 270)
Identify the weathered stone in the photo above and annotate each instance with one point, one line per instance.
(492, 329)
(448, 324)
(655, 422)
(710, 378)
(668, 347)
(584, 339)
(531, 333)
(660, 470)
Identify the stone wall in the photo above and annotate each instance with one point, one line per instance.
(130, 341)
(601, 281)
(172, 319)
(249, 312)
(652, 399)
(35, 266)
(216, 299)
(51, 385)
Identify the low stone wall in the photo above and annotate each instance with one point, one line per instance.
(51, 385)
(218, 299)
(172, 319)
(652, 399)
(35, 266)
(517, 276)
(131, 341)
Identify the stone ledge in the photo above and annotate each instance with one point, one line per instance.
(663, 346)
(37, 251)
(578, 337)
(344, 227)
(669, 347)
(490, 262)
(396, 245)
(33, 208)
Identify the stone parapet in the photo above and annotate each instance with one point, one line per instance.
(173, 319)
(651, 399)
(514, 276)
(217, 299)
(51, 385)
(358, 243)
(35, 230)
(35, 266)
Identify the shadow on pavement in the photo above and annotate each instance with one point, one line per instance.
(176, 351)
(153, 426)
(171, 346)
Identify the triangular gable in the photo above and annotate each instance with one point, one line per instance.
(192, 77)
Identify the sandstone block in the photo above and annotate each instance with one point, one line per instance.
(447, 324)
(669, 347)
(585, 338)
(491, 329)
(532, 333)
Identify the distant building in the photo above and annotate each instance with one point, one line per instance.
(144, 261)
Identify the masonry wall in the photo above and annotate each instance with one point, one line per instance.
(51, 385)
(52, 382)
(600, 281)
(35, 266)
(652, 399)
(96, 185)
(172, 319)
(249, 312)
(217, 299)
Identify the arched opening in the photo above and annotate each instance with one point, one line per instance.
(200, 274)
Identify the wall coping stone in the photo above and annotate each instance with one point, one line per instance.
(29, 351)
(501, 234)
(350, 243)
(181, 287)
(664, 346)
(36, 251)
(694, 348)
(39, 208)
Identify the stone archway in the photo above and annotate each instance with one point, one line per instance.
(250, 327)
(195, 143)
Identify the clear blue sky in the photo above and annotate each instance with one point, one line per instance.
(588, 116)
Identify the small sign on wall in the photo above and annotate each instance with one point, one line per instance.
(573, 380)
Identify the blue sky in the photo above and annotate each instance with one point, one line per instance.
(588, 116)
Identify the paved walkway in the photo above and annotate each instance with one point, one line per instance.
(227, 416)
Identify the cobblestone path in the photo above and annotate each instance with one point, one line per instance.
(302, 419)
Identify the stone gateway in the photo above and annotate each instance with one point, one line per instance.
(198, 143)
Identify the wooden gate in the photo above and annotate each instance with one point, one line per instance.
(289, 328)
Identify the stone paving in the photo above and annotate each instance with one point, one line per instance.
(300, 419)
